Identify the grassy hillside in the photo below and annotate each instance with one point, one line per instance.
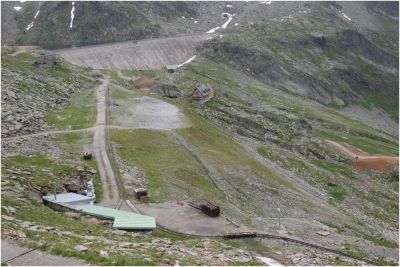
(30, 93)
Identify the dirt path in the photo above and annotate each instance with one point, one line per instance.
(364, 161)
(48, 133)
(347, 151)
(124, 77)
(91, 129)
(110, 189)
(23, 49)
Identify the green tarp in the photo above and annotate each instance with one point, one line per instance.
(122, 219)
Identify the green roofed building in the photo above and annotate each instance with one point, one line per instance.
(122, 219)
(171, 68)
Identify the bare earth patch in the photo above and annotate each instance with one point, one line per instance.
(365, 161)
(188, 220)
(149, 113)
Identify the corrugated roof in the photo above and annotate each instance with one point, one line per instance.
(122, 219)
(204, 89)
(68, 198)
(144, 222)
(173, 67)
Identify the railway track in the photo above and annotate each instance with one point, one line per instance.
(122, 195)
(259, 235)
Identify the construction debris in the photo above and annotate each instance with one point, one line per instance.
(209, 208)
(323, 233)
(142, 194)
(87, 155)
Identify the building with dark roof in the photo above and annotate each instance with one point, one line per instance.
(203, 93)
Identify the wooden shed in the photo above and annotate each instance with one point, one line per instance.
(203, 93)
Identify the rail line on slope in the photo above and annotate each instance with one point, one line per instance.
(122, 195)
(259, 235)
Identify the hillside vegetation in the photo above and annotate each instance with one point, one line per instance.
(290, 80)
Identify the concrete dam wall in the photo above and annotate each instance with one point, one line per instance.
(145, 54)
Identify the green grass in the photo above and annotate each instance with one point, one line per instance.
(80, 114)
(42, 170)
(120, 95)
(379, 101)
(338, 194)
(380, 241)
(365, 144)
(263, 151)
(168, 166)
(334, 167)
(223, 151)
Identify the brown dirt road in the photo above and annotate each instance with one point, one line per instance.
(364, 161)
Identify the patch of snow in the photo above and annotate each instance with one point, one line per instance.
(221, 36)
(23, 1)
(230, 17)
(229, 6)
(236, 24)
(269, 261)
(345, 16)
(196, 22)
(37, 13)
(183, 17)
(31, 24)
(18, 8)
(72, 15)
(209, 38)
(224, 25)
(213, 30)
(266, 2)
(187, 61)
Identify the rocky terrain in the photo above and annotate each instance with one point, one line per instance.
(28, 93)
(291, 78)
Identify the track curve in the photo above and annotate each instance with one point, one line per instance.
(260, 235)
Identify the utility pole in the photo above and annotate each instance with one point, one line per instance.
(279, 218)
(54, 184)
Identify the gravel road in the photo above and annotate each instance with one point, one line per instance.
(110, 197)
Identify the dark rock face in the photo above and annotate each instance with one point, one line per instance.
(167, 90)
(95, 22)
(320, 40)
(390, 8)
(355, 42)
(257, 64)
